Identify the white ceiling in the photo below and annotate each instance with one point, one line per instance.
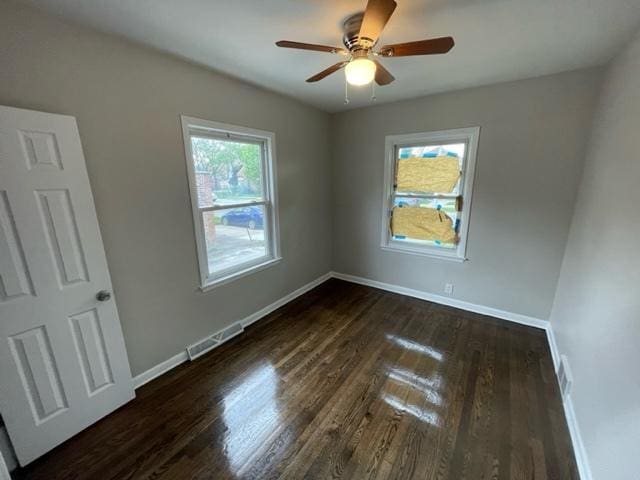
(496, 40)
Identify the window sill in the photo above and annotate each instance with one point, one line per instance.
(237, 275)
(424, 253)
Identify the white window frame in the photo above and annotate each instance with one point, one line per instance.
(207, 128)
(393, 143)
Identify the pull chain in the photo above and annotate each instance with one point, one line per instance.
(346, 91)
(373, 91)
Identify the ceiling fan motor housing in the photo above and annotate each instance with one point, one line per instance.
(351, 38)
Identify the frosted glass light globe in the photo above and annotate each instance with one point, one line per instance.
(360, 71)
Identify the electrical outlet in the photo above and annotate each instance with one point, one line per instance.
(448, 288)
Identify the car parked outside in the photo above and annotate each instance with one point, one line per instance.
(249, 217)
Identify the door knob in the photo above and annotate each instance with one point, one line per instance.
(103, 296)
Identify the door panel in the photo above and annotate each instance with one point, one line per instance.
(59, 225)
(39, 374)
(15, 280)
(40, 149)
(62, 353)
(91, 351)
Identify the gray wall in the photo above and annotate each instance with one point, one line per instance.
(596, 314)
(532, 143)
(127, 100)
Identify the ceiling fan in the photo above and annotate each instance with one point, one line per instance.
(361, 32)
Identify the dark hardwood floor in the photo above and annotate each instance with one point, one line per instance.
(344, 382)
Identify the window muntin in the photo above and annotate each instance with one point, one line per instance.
(232, 188)
(437, 176)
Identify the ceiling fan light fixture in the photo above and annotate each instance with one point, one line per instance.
(360, 71)
(361, 34)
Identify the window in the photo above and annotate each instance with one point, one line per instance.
(231, 176)
(427, 192)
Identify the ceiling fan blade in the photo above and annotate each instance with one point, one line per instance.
(383, 77)
(326, 72)
(376, 16)
(310, 46)
(432, 46)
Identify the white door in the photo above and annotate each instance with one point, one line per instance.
(63, 363)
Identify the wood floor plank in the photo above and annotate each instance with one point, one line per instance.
(345, 382)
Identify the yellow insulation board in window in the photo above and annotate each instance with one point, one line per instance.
(438, 174)
(423, 224)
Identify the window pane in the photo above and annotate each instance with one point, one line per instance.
(430, 169)
(447, 205)
(234, 237)
(227, 171)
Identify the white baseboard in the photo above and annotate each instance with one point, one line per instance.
(578, 446)
(284, 300)
(161, 368)
(572, 422)
(181, 357)
(553, 346)
(576, 439)
(452, 302)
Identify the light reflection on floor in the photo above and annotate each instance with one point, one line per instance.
(415, 346)
(427, 386)
(251, 415)
(423, 414)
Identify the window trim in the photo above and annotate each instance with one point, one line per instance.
(469, 136)
(208, 128)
